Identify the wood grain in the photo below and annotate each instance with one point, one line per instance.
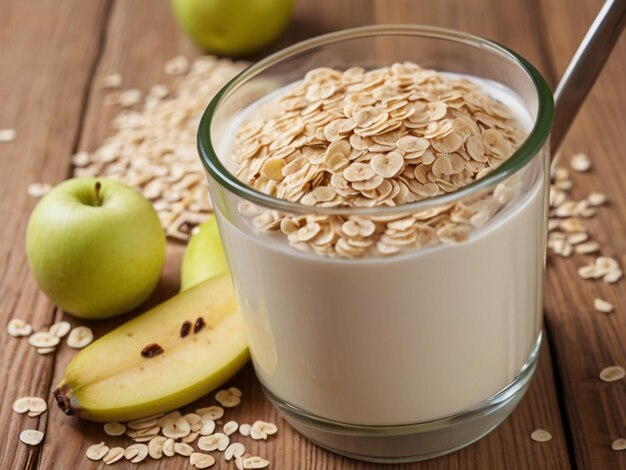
(135, 38)
(48, 50)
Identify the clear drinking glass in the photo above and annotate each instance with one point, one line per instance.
(408, 356)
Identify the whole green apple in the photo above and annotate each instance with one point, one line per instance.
(204, 256)
(233, 27)
(95, 247)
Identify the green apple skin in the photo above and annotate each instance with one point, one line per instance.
(233, 27)
(204, 256)
(95, 258)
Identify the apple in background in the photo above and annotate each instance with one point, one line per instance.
(95, 247)
(204, 256)
(233, 27)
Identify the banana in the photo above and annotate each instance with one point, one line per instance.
(145, 366)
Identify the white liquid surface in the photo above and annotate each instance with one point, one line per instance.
(405, 339)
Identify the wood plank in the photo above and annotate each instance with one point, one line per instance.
(138, 52)
(48, 50)
(585, 341)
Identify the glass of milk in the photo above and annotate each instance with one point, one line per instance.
(405, 357)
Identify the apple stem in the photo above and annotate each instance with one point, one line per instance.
(97, 188)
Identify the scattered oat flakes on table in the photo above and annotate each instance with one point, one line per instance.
(7, 135)
(540, 435)
(612, 374)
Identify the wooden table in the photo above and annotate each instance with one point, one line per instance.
(53, 52)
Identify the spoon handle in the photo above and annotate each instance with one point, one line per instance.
(585, 66)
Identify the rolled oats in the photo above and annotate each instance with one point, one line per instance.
(580, 162)
(113, 455)
(7, 135)
(80, 337)
(30, 405)
(232, 397)
(154, 147)
(540, 435)
(60, 329)
(618, 444)
(379, 137)
(17, 328)
(234, 450)
(612, 374)
(200, 460)
(135, 453)
(97, 451)
(31, 437)
(602, 306)
(114, 429)
(255, 462)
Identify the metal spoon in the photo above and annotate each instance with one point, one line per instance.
(585, 66)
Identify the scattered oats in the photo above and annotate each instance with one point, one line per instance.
(153, 147)
(228, 398)
(612, 374)
(38, 189)
(130, 97)
(207, 426)
(588, 247)
(255, 462)
(80, 159)
(30, 404)
(230, 427)
(155, 447)
(169, 418)
(262, 429)
(245, 429)
(190, 438)
(113, 80)
(97, 451)
(147, 422)
(182, 448)
(45, 351)
(17, 328)
(580, 162)
(578, 238)
(113, 455)
(136, 453)
(618, 444)
(114, 429)
(43, 339)
(572, 225)
(613, 276)
(32, 437)
(217, 441)
(596, 199)
(143, 435)
(168, 447)
(602, 306)
(540, 435)
(60, 329)
(79, 337)
(177, 429)
(7, 135)
(235, 450)
(179, 65)
(200, 460)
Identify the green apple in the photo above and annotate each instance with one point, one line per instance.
(204, 257)
(233, 27)
(95, 247)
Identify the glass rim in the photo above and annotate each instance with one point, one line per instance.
(529, 148)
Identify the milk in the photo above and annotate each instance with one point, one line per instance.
(411, 338)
